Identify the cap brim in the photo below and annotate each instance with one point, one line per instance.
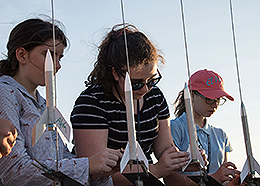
(214, 94)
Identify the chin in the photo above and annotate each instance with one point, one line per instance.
(138, 96)
(209, 115)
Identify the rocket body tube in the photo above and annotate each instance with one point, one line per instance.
(49, 83)
(133, 150)
(191, 125)
(130, 117)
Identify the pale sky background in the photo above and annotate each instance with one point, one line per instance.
(210, 46)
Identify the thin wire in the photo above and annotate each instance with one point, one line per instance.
(185, 39)
(54, 48)
(235, 48)
(187, 57)
(54, 70)
(243, 112)
(126, 48)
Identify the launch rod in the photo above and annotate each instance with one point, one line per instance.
(185, 39)
(188, 104)
(126, 48)
(243, 109)
(54, 72)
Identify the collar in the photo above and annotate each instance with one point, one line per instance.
(12, 82)
(205, 129)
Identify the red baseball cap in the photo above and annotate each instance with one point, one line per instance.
(209, 84)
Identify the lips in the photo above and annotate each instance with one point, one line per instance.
(211, 112)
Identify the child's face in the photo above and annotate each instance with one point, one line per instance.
(36, 60)
(202, 108)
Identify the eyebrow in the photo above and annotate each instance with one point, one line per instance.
(145, 79)
(61, 56)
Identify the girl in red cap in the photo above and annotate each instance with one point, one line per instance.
(207, 93)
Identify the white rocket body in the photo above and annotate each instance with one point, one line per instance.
(51, 115)
(133, 151)
(195, 155)
(251, 165)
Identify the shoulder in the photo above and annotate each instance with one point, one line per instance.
(94, 98)
(179, 122)
(218, 131)
(155, 94)
(8, 87)
(92, 93)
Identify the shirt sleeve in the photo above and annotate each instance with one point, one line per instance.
(176, 133)
(228, 147)
(161, 102)
(88, 113)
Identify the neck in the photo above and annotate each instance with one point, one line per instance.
(118, 93)
(30, 89)
(199, 120)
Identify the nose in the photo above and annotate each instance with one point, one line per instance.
(58, 65)
(145, 88)
(215, 105)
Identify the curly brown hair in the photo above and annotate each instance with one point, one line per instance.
(112, 54)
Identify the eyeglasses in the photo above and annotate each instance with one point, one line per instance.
(150, 83)
(218, 101)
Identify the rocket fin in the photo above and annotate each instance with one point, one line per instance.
(125, 159)
(245, 169)
(141, 156)
(62, 124)
(40, 127)
(257, 166)
(201, 160)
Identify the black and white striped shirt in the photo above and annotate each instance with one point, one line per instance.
(94, 110)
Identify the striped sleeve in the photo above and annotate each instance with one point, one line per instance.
(88, 112)
(163, 109)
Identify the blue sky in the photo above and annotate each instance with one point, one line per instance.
(209, 43)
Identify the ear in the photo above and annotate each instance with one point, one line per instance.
(115, 74)
(21, 55)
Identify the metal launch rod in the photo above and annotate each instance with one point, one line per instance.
(55, 92)
(243, 109)
(188, 98)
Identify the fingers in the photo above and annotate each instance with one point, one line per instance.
(171, 160)
(11, 139)
(204, 156)
(5, 148)
(8, 135)
(173, 152)
(226, 172)
(229, 164)
(110, 159)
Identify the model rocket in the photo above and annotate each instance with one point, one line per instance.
(251, 164)
(51, 117)
(195, 156)
(133, 150)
